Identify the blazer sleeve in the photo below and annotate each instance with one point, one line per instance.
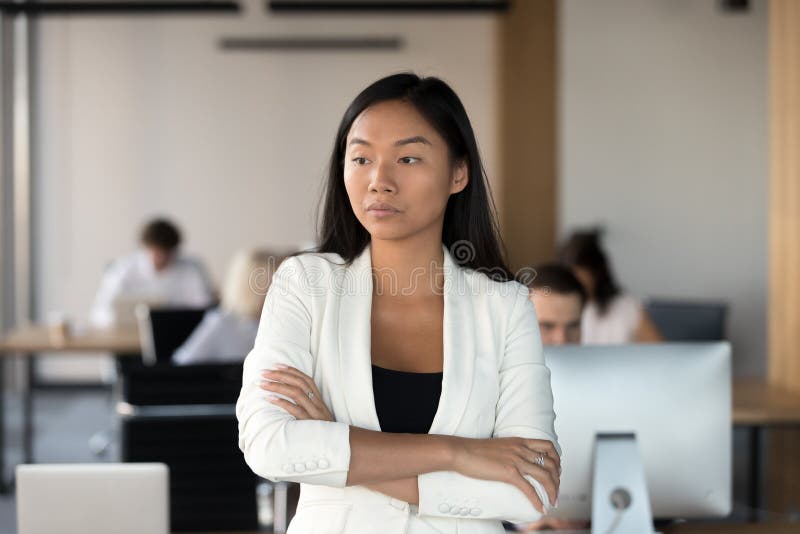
(524, 409)
(276, 446)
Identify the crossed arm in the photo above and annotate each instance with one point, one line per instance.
(501, 477)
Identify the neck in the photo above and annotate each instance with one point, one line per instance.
(408, 268)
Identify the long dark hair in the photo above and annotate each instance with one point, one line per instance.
(583, 249)
(470, 230)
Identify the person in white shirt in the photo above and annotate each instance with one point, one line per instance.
(611, 316)
(157, 273)
(227, 333)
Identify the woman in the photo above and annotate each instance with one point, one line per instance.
(227, 333)
(398, 372)
(611, 316)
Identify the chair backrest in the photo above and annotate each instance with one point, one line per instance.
(688, 320)
(163, 330)
(93, 498)
(163, 384)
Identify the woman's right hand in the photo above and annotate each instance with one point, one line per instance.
(509, 460)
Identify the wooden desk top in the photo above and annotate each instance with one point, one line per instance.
(36, 338)
(757, 403)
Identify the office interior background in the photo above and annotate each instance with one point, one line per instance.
(656, 120)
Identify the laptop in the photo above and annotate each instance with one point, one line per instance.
(129, 498)
(124, 307)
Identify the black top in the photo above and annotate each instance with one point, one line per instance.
(405, 401)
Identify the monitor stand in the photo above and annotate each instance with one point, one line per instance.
(620, 502)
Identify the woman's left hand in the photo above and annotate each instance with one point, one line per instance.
(299, 387)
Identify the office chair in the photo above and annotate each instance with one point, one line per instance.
(184, 416)
(680, 320)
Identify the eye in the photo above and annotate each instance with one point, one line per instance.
(360, 160)
(408, 159)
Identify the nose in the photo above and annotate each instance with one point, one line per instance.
(559, 336)
(382, 180)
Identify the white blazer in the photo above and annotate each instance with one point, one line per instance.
(316, 318)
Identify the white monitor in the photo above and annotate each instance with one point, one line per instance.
(130, 498)
(675, 398)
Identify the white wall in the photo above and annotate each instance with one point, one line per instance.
(143, 116)
(663, 140)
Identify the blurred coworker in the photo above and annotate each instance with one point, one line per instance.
(227, 333)
(559, 298)
(611, 316)
(156, 273)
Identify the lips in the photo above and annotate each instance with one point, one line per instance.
(381, 206)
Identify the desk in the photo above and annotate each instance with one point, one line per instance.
(757, 406)
(25, 342)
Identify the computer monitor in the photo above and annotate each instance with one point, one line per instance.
(163, 330)
(93, 498)
(679, 320)
(674, 399)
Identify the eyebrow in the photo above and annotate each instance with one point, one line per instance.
(401, 142)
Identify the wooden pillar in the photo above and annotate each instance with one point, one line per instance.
(528, 111)
(782, 464)
(784, 213)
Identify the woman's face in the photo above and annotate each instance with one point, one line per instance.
(394, 156)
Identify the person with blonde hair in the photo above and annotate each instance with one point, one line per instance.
(228, 332)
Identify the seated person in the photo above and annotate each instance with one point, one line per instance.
(559, 299)
(611, 316)
(227, 333)
(156, 273)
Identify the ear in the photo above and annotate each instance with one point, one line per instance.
(460, 177)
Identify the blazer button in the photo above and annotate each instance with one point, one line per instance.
(299, 468)
(397, 503)
(323, 464)
(475, 511)
(288, 468)
(444, 508)
(311, 465)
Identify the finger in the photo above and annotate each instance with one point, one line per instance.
(544, 446)
(316, 405)
(525, 487)
(294, 377)
(293, 392)
(544, 477)
(294, 410)
(298, 375)
(549, 464)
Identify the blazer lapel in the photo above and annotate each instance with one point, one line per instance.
(459, 348)
(355, 360)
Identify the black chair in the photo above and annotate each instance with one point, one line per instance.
(163, 330)
(185, 417)
(688, 321)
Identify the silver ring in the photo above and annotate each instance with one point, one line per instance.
(540, 460)
(310, 394)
